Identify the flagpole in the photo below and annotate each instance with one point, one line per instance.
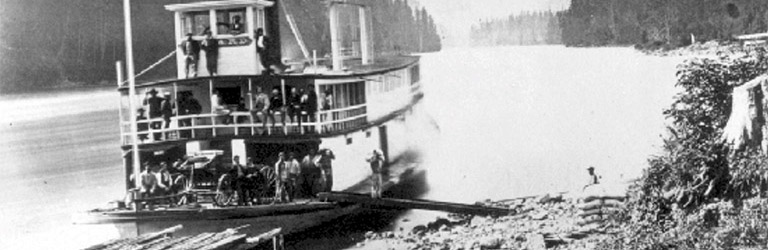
(131, 92)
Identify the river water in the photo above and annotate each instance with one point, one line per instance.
(513, 121)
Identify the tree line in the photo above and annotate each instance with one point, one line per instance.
(660, 23)
(527, 28)
(47, 43)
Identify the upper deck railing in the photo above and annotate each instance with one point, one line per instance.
(246, 124)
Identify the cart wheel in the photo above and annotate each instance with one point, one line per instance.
(224, 194)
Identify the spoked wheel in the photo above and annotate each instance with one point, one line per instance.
(269, 179)
(225, 194)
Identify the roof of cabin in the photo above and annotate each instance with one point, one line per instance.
(207, 5)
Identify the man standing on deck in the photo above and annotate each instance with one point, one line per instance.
(276, 106)
(309, 172)
(240, 182)
(154, 102)
(282, 177)
(261, 106)
(294, 171)
(323, 160)
(377, 163)
(211, 47)
(166, 108)
(191, 50)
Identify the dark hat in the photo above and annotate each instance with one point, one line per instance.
(152, 91)
(140, 110)
(189, 34)
(591, 168)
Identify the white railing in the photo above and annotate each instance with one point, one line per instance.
(245, 123)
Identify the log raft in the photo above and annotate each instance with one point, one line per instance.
(163, 240)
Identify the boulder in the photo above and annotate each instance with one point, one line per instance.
(536, 242)
(491, 242)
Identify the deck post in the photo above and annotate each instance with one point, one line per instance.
(119, 70)
(131, 92)
(365, 50)
(213, 117)
(285, 102)
(335, 38)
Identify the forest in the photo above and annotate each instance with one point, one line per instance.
(527, 28)
(54, 44)
(660, 23)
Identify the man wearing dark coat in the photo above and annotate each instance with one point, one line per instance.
(211, 47)
(191, 50)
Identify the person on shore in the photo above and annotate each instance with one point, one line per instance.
(261, 106)
(282, 178)
(294, 171)
(154, 103)
(276, 106)
(324, 161)
(166, 108)
(211, 47)
(191, 50)
(376, 161)
(593, 178)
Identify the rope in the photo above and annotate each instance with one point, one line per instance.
(151, 66)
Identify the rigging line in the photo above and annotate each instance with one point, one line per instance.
(152, 66)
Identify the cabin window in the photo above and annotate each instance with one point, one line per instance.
(231, 21)
(258, 19)
(415, 74)
(345, 94)
(196, 22)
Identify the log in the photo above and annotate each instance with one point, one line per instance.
(394, 203)
(253, 242)
(226, 243)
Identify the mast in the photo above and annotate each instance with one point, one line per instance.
(131, 91)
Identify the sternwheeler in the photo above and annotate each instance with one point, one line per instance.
(247, 88)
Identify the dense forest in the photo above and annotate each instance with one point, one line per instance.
(660, 23)
(528, 28)
(47, 43)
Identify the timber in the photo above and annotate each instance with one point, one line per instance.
(227, 239)
(394, 203)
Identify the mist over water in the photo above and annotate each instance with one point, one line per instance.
(513, 121)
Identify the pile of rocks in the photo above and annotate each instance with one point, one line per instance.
(548, 222)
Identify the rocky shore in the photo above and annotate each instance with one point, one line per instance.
(706, 49)
(544, 222)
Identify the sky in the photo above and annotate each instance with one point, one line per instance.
(455, 17)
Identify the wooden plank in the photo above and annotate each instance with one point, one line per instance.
(394, 203)
(253, 242)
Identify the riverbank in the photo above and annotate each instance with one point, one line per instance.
(705, 49)
(541, 222)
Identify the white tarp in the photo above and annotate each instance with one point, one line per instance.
(739, 127)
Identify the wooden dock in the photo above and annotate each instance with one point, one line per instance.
(163, 240)
(395, 203)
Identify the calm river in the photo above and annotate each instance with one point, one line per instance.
(513, 121)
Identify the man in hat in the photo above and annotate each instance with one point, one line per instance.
(166, 108)
(593, 178)
(211, 47)
(377, 163)
(191, 50)
(141, 126)
(154, 102)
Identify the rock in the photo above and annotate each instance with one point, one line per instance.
(444, 228)
(389, 235)
(370, 235)
(406, 220)
(491, 242)
(536, 242)
(437, 224)
(359, 245)
(478, 221)
(419, 229)
(540, 215)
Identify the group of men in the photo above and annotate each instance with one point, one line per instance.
(191, 49)
(164, 107)
(301, 105)
(293, 178)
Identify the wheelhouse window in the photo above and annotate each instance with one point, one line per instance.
(415, 74)
(231, 21)
(196, 22)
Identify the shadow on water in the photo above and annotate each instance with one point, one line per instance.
(347, 231)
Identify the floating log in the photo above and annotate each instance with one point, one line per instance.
(394, 203)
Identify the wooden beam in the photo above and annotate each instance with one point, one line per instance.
(394, 203)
